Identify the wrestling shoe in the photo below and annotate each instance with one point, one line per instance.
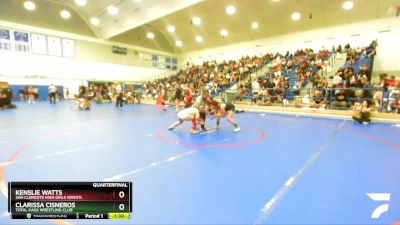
(237, 129)
(171, 128)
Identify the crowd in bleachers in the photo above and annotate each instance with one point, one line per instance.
(304, 77)
(288, 76)
(352, 85)
(285, 72)
(219, 77)
(216, 77)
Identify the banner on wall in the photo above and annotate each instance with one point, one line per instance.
(54, 46)
(21, 41)
(39, 45)
(21, 37)
(145, 57)
(4, 34)
(68, 48)
(168, 62)
(171, 63)
(163, 62)
(5, 42)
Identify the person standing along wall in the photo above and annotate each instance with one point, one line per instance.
(119, 92)
(31, 95)
(35, 93)
(52, 93)
(22, 94)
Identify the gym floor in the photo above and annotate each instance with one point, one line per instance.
(278, 169)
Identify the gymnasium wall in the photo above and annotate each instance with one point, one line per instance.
(36, 66)
(93, 60)
(386, 31)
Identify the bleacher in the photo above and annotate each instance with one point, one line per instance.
(266, 69)
(359, 62)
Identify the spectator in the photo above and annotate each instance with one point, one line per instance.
(35, 93)
(391, 81)
(119, 95)
(22, 94)
(296, 91)
(315, 80)
(362, 113)
(319, 100)
(67, 93)
(31, 95)
(394, 97)
(364, 72)
(265, 97)
(177, 98)
(339, 49)
(255, 87)
(340, 99)
(381, 86)
(187, 98)
(83, 99)
(286, 87)
(337, 79)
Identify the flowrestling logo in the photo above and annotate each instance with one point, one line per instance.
(380, 197)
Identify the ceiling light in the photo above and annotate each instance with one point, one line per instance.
(80, 2)
(29, 5)
(254, 25)
(296, 16)
(199, 38)
(150, 35)
(112, 10)
(65, 14)
(95, 21)
(224, 33)
(196, 20)
(347, 5)
(230, 10)
(137, 0)
(275, 0)
(178, 43)
(171, 29)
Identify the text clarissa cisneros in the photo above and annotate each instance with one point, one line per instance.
(43, 206)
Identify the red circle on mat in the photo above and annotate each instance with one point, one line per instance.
(259, 139)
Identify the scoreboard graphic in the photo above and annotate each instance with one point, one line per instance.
(70, 200)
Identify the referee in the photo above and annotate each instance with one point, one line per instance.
(52, 93)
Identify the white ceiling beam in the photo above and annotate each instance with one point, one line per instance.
(132, 16)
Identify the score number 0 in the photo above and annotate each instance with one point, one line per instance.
(121, 206)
